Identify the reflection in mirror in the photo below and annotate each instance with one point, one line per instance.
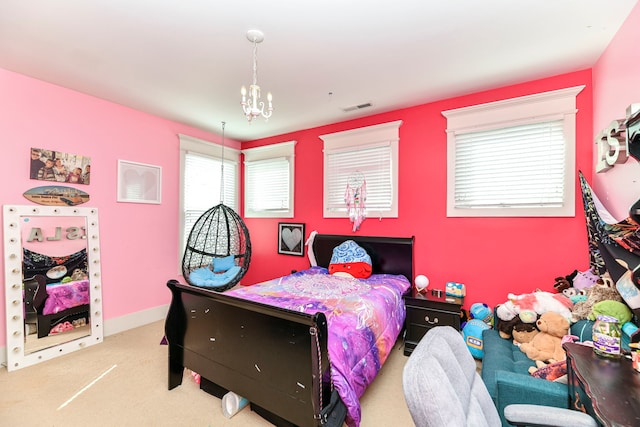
(52, 282)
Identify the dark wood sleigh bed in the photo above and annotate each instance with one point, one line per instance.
(275, 358)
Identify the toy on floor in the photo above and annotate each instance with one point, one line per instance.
(482, 311)
(547, 344)
(472, 333)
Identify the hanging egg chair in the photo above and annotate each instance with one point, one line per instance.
(218, 249)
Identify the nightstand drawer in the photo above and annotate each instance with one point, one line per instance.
(420, 320)
(425, 312)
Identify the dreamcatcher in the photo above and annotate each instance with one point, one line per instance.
(355, 196)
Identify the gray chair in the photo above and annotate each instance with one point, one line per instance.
(442, 388)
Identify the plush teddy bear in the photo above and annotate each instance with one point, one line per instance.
(547, 344)
(601, 291)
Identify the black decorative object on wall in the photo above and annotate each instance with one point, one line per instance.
(291, 238)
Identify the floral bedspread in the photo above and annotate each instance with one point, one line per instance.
(61, 296)
(364, 318)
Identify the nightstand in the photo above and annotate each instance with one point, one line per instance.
(425, 311)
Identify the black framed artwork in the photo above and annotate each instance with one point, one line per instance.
(291, 238)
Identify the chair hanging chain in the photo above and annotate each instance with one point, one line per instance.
(222, 168)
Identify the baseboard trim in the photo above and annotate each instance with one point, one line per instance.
(135, 320)
(119, 324)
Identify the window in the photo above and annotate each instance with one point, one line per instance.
(201, 172)
(370, 152)
(268, 173)
(514, 157)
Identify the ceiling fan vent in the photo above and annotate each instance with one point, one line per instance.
(357, 107)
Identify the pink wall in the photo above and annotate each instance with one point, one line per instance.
(139, 242)
(616, 84)
(491, 256)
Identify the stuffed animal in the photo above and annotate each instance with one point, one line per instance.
(472, 334)
(350, 260)
(535, 303)
(547, 344)
(564, 282)
(482, 311)
(524, 333)
(601, 291)
(611, 308)
(556, 371)
(575, 295)
(520, 321)
(585, 279)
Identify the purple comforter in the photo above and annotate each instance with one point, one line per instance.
(61, 296)
(364, 319)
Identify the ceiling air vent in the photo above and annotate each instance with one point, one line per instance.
(357, 107)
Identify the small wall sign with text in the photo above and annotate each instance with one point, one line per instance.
(56, 195)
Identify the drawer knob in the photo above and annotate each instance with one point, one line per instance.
(431, 322)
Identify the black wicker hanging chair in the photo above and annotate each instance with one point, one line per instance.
(218, 250)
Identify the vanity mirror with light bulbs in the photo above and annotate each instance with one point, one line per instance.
(53, 286)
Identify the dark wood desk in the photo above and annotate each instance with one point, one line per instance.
(607, 389)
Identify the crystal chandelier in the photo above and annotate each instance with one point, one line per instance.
(253, 106)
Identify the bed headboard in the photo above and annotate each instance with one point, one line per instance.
(390, 255)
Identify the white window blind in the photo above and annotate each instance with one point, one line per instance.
(371, 153)
(268, 180)
(268, 183)
(202, 183)
(513, 158)
(374, 163)
(518, 166)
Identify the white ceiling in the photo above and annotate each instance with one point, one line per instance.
(186, 60)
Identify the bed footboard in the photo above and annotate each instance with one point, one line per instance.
(275, 358)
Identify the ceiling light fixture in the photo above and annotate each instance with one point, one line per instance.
(253, 106)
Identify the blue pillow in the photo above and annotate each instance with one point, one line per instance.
(223, 264)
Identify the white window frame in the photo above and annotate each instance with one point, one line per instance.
(546, 106)
(267, 153)
(210, 149)
(363, 138)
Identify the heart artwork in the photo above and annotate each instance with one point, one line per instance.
(291, 237)
(140, 185)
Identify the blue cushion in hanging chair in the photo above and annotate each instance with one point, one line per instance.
(208, 279)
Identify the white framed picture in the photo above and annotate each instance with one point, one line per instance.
(139, 182)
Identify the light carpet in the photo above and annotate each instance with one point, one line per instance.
(123, 382)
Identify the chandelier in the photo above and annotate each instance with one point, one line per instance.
(253, 106)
